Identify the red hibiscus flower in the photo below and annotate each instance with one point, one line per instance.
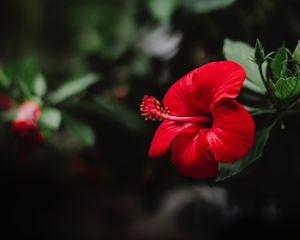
(24, 126)
(201, 121)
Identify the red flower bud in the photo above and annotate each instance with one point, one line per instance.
(24, 126)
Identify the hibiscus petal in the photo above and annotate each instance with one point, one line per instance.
(180, 99)
(203, 87)
(165, 134)
(192, 157)
(232, 132)
(218, 80)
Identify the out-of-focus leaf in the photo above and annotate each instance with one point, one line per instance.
(227, 170)
(86, 18)
(26, 72)
(162, 10)
(22, 72)
(140, 65)
(111, 110)
(125, 31)
(279, 63)
(7, 116)
(204, 6)
(4, 80)
(252, 86)
(73, 87)
(80, 129)
(243, 54)
(103, 28)
(40, 85)
(24, 89)
(51, 118)
(24, 78)
(287, 87)
(296, 53)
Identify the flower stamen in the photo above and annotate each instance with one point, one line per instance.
(153, 110)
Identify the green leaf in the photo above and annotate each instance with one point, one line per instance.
(80, 129)
(40, 85)
(162, 10)
(91, 20)
(72, 88)
(227, 170)
(287, 87)
(296, 53)
(125, 30)
(51, 118)
(26, 71)
(243, 54)
(279, 63)
(8, 115)
(4, 80)
(105, 107)
(204, 6)
(140, 65)
(22, 73)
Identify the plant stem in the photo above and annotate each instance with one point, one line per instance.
(271, 95)
(263, 111)
(269, 90)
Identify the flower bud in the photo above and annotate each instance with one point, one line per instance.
(259, 53)
(24, 126)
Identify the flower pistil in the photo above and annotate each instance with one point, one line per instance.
(153, 110)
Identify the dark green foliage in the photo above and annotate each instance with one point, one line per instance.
(282, 85)
(279, 63)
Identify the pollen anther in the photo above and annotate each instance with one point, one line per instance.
(152, 109)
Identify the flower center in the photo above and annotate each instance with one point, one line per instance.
(153, 110)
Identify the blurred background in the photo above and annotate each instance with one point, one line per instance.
(89, 63)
